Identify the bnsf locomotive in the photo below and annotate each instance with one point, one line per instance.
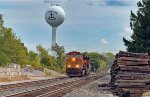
(77, 64)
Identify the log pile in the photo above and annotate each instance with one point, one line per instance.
(130, 73)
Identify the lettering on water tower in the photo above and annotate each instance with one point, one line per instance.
(52, 15)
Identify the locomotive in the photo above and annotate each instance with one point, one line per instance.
(77, 64)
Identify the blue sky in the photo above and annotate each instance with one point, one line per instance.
(90, 25)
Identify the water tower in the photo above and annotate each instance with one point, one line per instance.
(54, 16)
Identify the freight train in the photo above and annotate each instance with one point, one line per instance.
(77, 64)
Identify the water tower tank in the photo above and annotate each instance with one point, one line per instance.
(54, 16)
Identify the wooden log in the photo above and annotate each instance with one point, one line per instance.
(133, 89)
(136, 90)
(134, 68)
(138, 65)
(133, 81)
(141, 67)
(118, 77)
(131, 85)
(132, 73)
(127, 63)
(131, 53)
(132, 59)
(128, 54)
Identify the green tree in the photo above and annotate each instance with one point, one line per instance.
(98, 61)
(4, 59)
(94, 58)
(140, 24)
(46, 59)
(110, 58)
(103, 64)
(34, 59)
(11, 48)
(60, 56)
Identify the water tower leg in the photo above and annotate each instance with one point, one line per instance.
(54, 36)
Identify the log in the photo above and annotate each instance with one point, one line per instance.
(127, 63)
(133, 85)
(118, 77)
(133, 59)
(133, 54)
(137, 71)
(136, 90)
(131, 72)
(134, 68)
(133, 81)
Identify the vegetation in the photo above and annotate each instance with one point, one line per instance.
(55, 62)
(12, 50)
(100, 61)
(34, 59)
(140, 24)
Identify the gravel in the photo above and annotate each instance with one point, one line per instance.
(93, 89)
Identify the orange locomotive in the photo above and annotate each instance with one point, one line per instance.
(77, 64)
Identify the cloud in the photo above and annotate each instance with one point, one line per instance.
(104, 41)
(121, 2)
(111, 2)
(127, 33)
(117, 3)
(128, 30)
(98, 2)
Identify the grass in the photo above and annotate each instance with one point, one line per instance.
(16, 78)
(47, 73)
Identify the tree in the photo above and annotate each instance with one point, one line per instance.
(94, 58)
(46, 59)
(140, 24)
(60, 56)
(34, 59)
(110, 58)
(98, 61)
(55, 62)
(11, 48)
(3, 57)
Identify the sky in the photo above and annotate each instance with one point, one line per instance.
(89, 26)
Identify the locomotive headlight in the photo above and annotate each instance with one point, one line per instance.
(68, 66)
(73, 59)
(77, 66)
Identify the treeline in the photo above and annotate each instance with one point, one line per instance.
(12, 50)
(100, 61)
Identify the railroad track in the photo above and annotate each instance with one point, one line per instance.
(6, 90)
(28, 83)
(57, 89)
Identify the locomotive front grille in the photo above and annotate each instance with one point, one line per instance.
(73, 71)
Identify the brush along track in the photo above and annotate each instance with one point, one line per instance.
(57, 90)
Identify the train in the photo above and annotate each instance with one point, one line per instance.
(77, 64)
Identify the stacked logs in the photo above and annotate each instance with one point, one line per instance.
(130, 73)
